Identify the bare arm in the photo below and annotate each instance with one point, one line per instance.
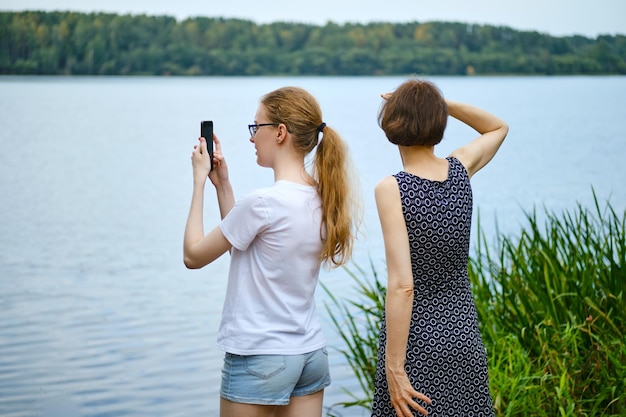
(398, 304)
(198, 249)
(481, 150)
(219, 178)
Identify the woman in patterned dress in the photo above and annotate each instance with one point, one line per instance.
(431, 357)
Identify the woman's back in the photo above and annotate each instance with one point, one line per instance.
(277, 245)
(444, 353)
(438, 216)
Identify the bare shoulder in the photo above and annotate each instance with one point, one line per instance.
(386, 187)
(387, 195)
(461, 154)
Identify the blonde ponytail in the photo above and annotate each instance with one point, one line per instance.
(302, 116)
(331, 170)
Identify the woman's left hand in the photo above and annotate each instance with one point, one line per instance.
(403, 396)
(201, 161)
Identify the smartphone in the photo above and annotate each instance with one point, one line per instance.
(206, 131)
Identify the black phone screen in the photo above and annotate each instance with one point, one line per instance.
(206, 131)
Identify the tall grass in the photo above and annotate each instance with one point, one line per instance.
(358, 324)
(552, 311)
(556, 295)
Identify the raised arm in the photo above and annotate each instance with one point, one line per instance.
(219, 178)
(399, 300)
(198, 249)
(481, 150)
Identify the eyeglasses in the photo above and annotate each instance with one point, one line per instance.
(255, 127)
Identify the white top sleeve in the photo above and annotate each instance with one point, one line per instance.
(248, 218)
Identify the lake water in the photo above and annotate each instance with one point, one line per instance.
(99, 317)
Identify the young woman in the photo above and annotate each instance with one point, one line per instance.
(276, 362)
(431, 356)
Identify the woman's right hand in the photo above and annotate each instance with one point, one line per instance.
(219, 174)
(477, 153)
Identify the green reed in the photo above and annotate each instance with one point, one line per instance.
(358, 325)
(556, 295)
(552, 312)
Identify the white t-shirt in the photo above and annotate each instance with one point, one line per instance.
(274, 269)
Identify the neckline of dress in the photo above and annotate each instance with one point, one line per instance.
(449, 159)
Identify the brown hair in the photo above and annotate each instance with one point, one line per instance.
(415, 114)
(300, 112)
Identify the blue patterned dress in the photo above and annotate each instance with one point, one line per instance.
(446, 359)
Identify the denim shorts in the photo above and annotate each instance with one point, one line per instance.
(273, 379)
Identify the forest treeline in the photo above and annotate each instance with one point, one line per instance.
(68, 43)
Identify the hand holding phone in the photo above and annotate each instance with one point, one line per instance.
(206, 131)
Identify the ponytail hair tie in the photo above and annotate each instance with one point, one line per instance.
(320, 128)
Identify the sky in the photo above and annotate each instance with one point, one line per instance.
(589, 18)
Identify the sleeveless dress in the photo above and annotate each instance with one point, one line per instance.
(445, 359)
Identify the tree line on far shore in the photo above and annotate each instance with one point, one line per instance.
(71, 43)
